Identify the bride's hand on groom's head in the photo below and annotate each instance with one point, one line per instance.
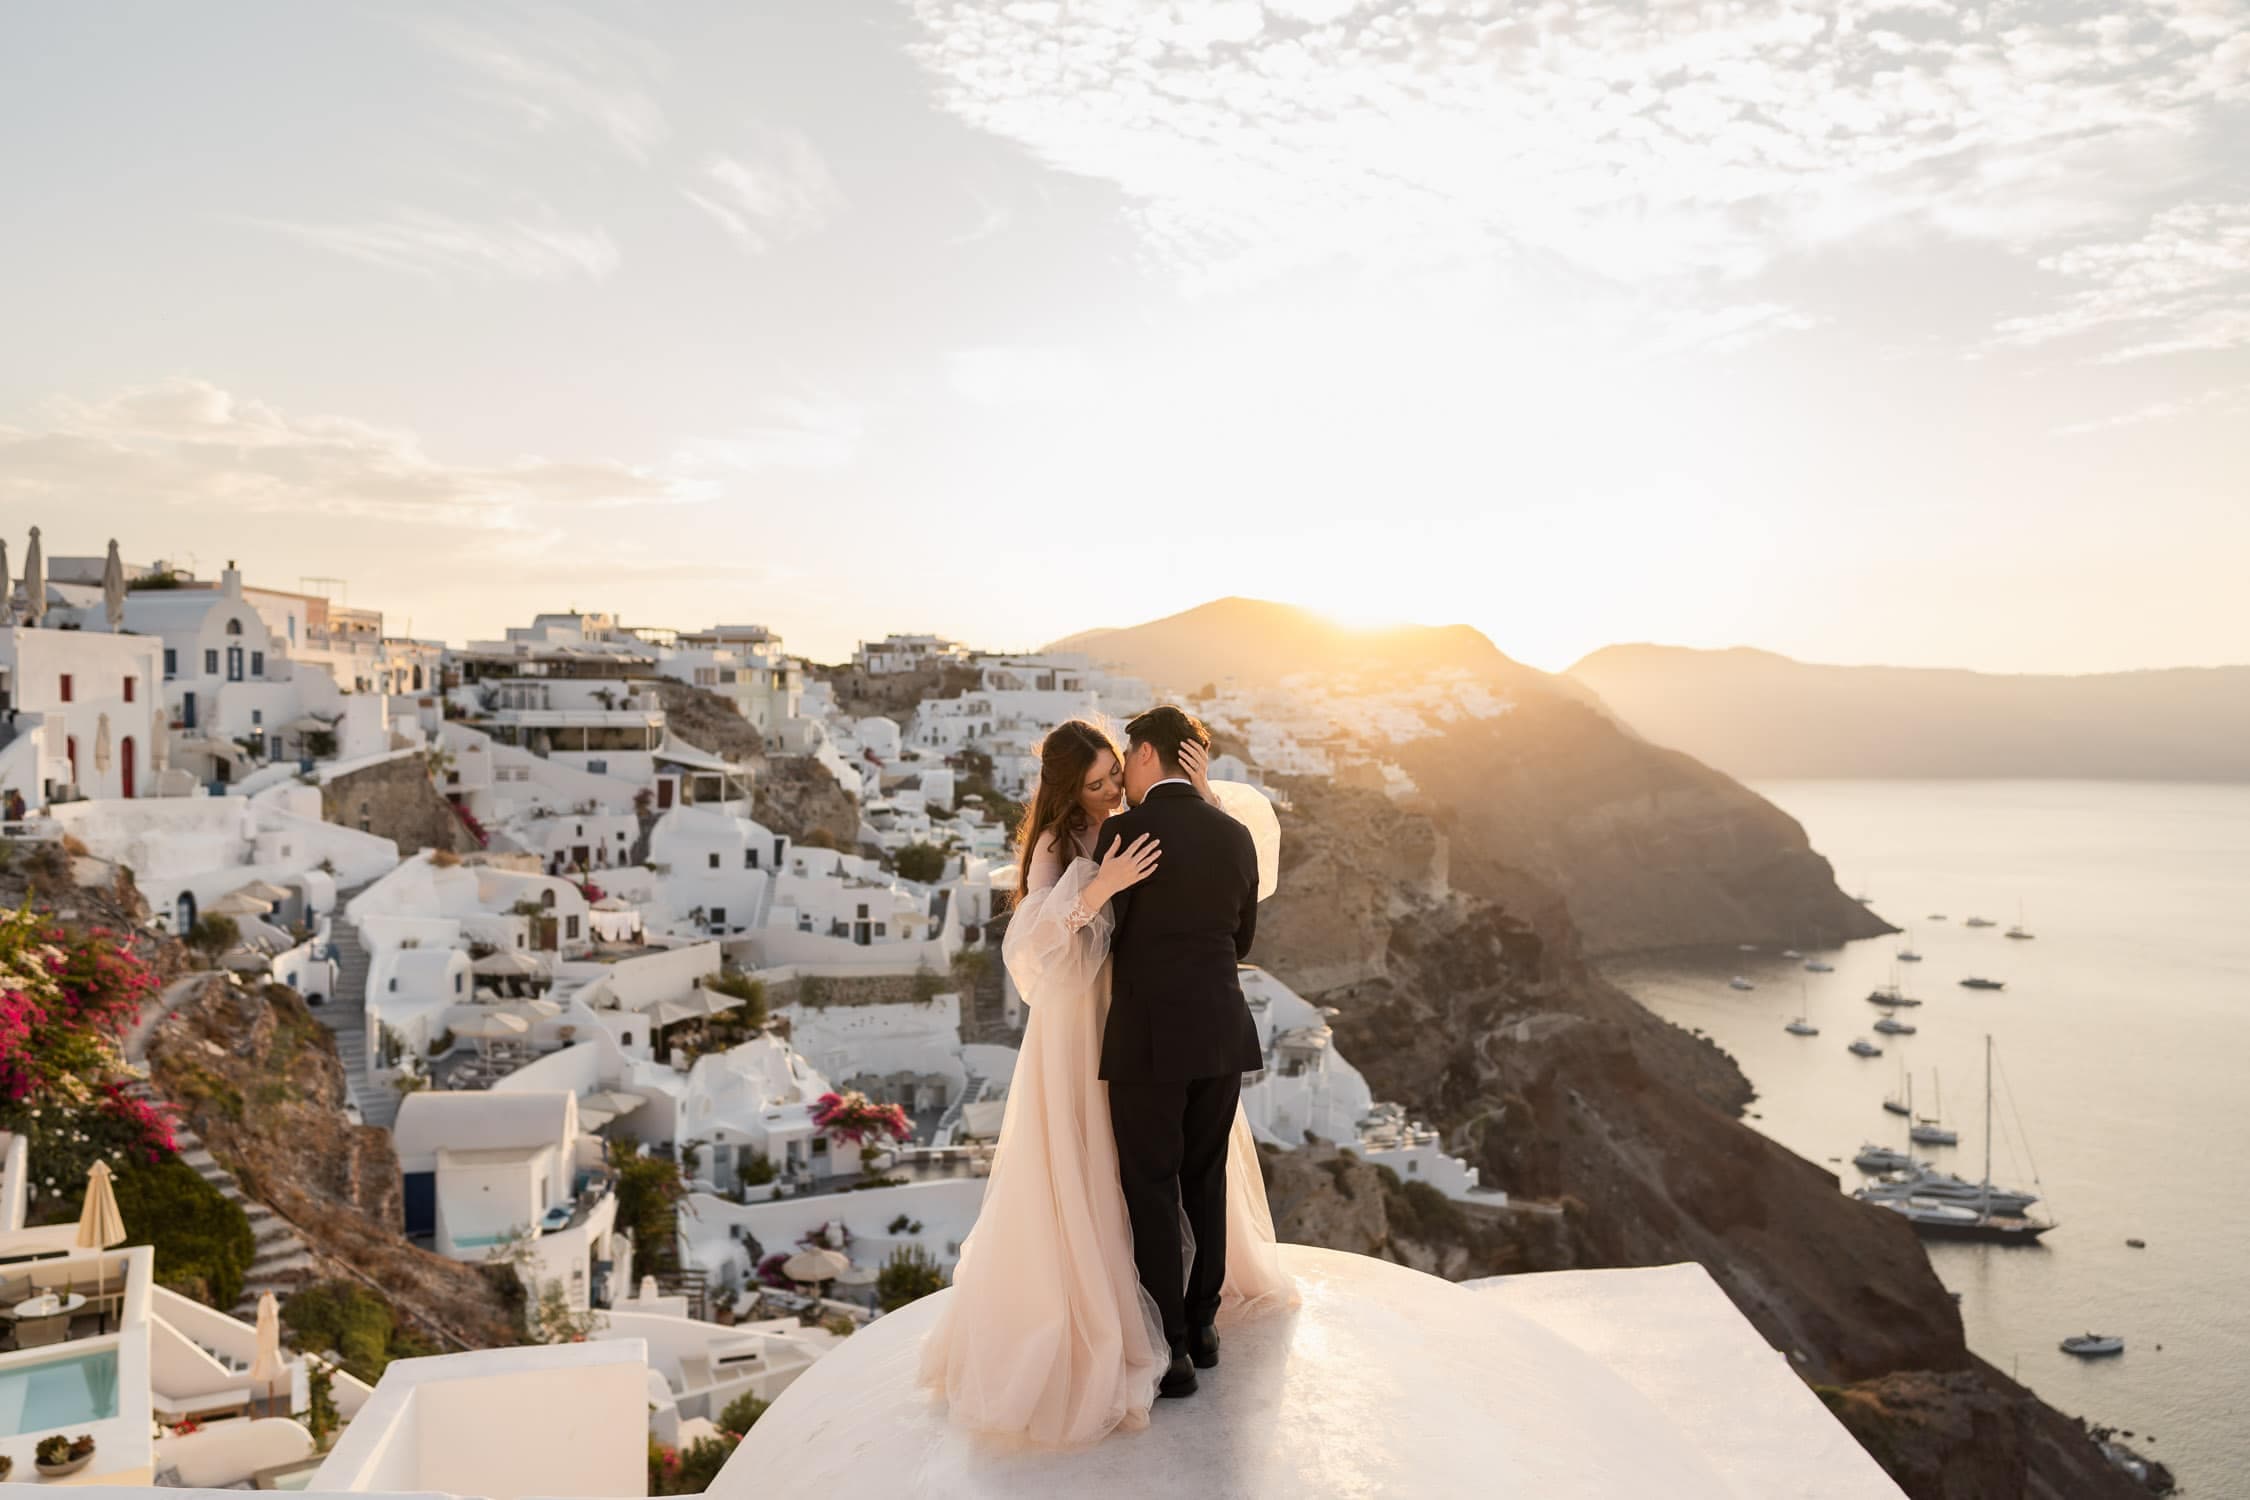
(1195, 764)
(1126, 865)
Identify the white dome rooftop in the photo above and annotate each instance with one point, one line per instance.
(1386, 1381)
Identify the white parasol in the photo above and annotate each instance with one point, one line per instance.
(113, 588)
(34, 580)
(815, 1266)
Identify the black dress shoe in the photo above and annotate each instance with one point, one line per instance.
(1203, 1346)
(1179, 1378)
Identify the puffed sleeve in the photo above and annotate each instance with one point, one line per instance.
(1056, 937)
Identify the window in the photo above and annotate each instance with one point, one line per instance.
(129, 689)
(456, 984)
(211, 662)
(598, 767)
(394, 986)
(234, 627)
(882, 929)
(714, 859)
(547, 899)
(66, 690)
(171, 662)
(718, 916)
(749, 859)
(257, 664)
(863, 908)
(257, 717)
(570, 925)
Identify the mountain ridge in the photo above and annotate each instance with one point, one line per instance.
(1758, 714)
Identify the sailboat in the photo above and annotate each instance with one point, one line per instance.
(1907, 955)
(1939, 1218)
(1898, 1105)
(1932, 1131)
(1980, 922)
(2019, 932)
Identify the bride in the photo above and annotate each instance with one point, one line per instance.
(1048, 1335)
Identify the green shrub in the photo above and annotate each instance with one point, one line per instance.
(909, 1275)
(686, 1471)
(648, 1197)
(740, 986)
(742, 1414)
(213, 933)
(758, 1170)
(923, 863)
(352, 1323)
(203, 1242)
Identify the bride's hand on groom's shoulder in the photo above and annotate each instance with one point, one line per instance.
(1125, 866)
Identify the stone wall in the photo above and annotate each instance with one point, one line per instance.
(396, 800)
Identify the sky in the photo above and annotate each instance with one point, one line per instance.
(1913, 333)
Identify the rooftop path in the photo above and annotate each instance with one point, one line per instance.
(1386, 1381)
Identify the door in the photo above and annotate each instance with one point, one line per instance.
(234, 663)
(420, 1192)
(183, 920)
(187, 710)
(125, 765)
(664, 792)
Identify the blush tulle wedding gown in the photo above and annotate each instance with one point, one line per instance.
(1047, 1335)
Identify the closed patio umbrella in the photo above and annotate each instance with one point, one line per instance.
(100, 1226)
(34, 580)
(267, 1369)
(7, 592)
(101, 742)
(113, 588)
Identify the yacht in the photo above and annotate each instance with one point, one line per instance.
(1815, 966)
(1862, 1047)
(1980, 922)
(1801, 1027)
(1893, 1026)
(1931, 1133)
(1740, 983)
(1974, 983)
(1924, 1181)
(1942, 1217)
(1873, 1158)
(2090, 1345)
(1890, 995)
(1909, 956)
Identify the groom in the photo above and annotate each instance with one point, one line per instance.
(1179, 1036)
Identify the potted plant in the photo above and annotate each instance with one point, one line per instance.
(59, 1456)
(7, 1467)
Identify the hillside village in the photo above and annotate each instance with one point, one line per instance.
(611, 1015)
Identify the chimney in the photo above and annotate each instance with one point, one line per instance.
(230, 581)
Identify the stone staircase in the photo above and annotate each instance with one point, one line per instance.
(345, 1015)
(282, 1261)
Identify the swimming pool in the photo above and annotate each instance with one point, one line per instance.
(55, 1393)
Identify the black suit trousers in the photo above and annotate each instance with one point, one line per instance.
(1172, 1159)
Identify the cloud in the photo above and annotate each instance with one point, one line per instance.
(2225, 397)
(436, 245)
(555, 70)
(2182, 285)
(1638, 143)
(197, 445)
(780, 190)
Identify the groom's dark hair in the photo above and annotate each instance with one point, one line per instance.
(1167, 728)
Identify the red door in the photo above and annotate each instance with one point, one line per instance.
(70, 748)
(125, 764)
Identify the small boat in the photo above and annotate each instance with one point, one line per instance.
(1909, 956)
(2019, 932)
(2092, 1345)
(1745, 947)
(1930, 1133)
(1801, 1027)
(1974, 983)
(1893, 1026)
(2136, 1244)
(1935, 916)
(1890, 995)
(1791, 953)
(1902, 1103)
(1740, 983)
(1980, 922)
(1862, 1047)
(1873, 1158)
(1815, 966)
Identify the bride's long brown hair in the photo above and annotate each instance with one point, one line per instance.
(1065, 756)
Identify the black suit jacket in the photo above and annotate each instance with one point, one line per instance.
(1176, 1009)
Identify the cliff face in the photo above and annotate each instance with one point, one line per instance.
(259, 1080)
(1647, 847)
(395, 799)
(1617, 1134)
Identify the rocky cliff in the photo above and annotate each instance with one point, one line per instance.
(1648, 847)
(257, 1077)
(1461, 990)
(395, 799)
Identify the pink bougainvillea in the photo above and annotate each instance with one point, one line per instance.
(852, 1116)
